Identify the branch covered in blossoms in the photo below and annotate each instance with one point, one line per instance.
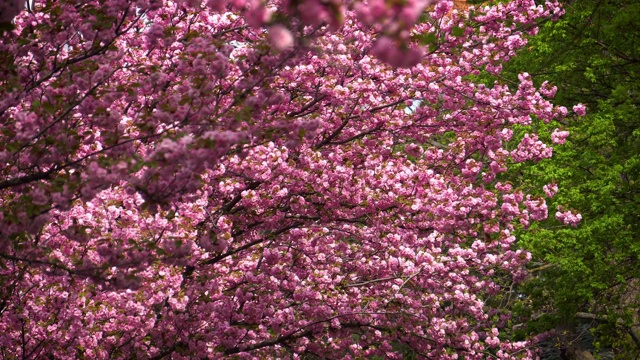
(205, 179)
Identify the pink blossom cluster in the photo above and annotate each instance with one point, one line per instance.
(568, 217)
(9, 9)
(215, 179)
(559, 137)
(580, 109)
(537, 208)
(530, 148)
(550, 190)
(388, 51)
(548, 90)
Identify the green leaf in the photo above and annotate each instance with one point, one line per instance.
(457, 31)
(426, 39)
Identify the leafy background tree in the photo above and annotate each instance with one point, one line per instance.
(588, 274)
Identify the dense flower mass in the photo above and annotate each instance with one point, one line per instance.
(9, 9)
(206, 179)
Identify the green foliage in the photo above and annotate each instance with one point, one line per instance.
(593, 56)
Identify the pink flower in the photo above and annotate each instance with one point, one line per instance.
(217, 5)
(383, 47)
(562, 111)
(550, 190)
(568, 217)
(257, 14)
(155, 32)
(548, 90)
(281, 38)
(413, 150)
(388, 51)
(9, 9)
(313, 12)
(412, 11)
(559, 137)
(580, 109)
(537, 208)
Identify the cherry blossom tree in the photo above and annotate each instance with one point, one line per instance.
(263, 179)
